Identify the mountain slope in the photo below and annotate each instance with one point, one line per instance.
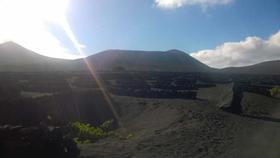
(14, 57)
(173, 61)
(269, 67)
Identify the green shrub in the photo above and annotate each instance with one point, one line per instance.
(85, 133)
(275, 91)
(107, 125)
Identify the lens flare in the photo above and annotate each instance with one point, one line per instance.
(66, 27)
(26, 23)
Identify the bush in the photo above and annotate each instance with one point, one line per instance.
(107, 125)
(275, 91)
(85, 133)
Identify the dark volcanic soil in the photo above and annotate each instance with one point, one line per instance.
(185, 128)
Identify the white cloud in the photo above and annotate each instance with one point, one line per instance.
(250, 51)
(171, 4)
(27, 23)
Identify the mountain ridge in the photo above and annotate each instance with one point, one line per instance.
(267, 67)
(147, 61)
(16, 58)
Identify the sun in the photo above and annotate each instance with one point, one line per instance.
(26, 22)
(45, 10)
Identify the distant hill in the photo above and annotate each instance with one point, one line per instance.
(128, 60)
(269, 67)
(14, 57)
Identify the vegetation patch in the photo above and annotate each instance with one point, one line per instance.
(84, 133)
(275, 91)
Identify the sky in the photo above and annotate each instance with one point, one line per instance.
(220, 33)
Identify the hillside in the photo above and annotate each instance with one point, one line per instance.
(186, 128)
(269, 67)
(173, 61)
(14, 57)
(165, 113)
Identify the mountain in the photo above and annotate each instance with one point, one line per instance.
(172, 60)
(269, 68)
(14, 57)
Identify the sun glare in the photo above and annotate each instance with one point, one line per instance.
(27, 22)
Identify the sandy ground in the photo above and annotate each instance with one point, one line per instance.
(174, 128)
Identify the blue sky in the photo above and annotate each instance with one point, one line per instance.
(141, 25)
